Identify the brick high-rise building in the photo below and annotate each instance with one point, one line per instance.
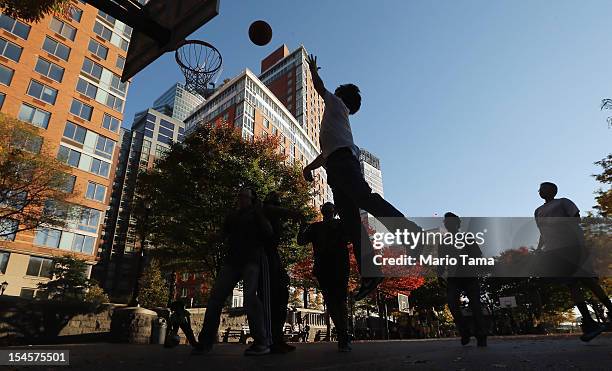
(248, 103)
(62, 75)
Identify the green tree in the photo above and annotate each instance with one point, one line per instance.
(192, 189)
(30, 176)
(153, 287)
(69, 279)
(35, 10)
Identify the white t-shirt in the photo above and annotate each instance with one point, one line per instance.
(335, 130)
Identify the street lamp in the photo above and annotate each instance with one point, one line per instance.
(144, 231)
(3, 287)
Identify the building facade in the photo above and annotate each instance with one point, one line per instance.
(248, 103)
(177, 102)
(370, 168)
(62, 75)
(149, 139)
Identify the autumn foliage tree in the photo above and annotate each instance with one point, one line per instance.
(193, 188)
(30, 176)
(35, 10)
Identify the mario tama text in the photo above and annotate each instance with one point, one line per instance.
(430, 260)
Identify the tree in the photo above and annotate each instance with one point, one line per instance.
(30, 176)
(35, 10)
(153, 287)
(193, 188)
(69, 279)
(604, 196)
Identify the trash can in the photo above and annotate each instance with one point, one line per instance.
(158, 331)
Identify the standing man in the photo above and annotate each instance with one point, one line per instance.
(340, 157)
(331, 268)
(247, 231)
(561, 249)
(274, 284)
(462, 279)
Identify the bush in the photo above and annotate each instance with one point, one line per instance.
(96, 295)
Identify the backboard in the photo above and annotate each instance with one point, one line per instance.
(181, 18)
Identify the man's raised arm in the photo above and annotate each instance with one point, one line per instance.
(316, 79)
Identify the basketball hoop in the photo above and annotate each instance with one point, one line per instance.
(200, 62)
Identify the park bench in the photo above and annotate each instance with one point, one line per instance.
(241, 335)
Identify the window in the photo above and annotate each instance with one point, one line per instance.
(6, 75)
(47, 237)
(266, 123)
(90, 219)
(118, 86)
(75, 132)
(75, 13)
(2, 96)
(10, 50)
(114, 102)
(42, 92)
(34, 116)
(81, 109)
(105, 147)
(69, 186)
(86, 88)
(106, 17)
(39, 267)
(83, 244)
(69, 156)
(56, 48)
(31, 144)
(92, 68)
(15, 27)
(8, 229)
(49, 69)
(95, 191)
(120, 62)
(62, 28)
(102, 31)
(4, 259)
(99, 167)
(110, 123)
(97, 49)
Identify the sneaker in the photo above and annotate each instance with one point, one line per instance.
(367, 286)
(281, 348)
(591, 331)
(481, 341)
(257, 350)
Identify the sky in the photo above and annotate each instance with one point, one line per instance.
(470, 105)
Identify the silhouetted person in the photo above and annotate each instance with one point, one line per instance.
(561, 249)
(340, 157)
(331, 267)
(274, 284)
(179, 318)
(463, 279)
(247, 231)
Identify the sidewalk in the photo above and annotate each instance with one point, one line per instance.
(510, 353)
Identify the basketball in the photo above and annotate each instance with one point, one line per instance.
(260, 33)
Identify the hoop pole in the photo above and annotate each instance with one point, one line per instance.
(137, 18)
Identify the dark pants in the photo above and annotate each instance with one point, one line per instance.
(278, 294)
(333, 276)
(471, 287)
(351, 193)
(223, 287)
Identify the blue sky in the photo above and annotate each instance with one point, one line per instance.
(468, 104)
